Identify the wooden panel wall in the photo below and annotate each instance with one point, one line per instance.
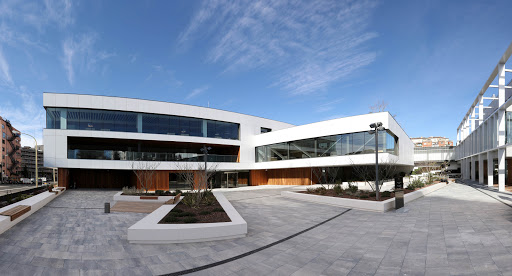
(258, 177)
(63, 179)
(296, 176)
(160, 180)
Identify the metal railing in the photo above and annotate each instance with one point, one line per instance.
(147, 156)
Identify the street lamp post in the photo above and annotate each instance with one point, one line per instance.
(37, 177)
(376, 127)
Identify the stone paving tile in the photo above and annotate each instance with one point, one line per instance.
(453, 231)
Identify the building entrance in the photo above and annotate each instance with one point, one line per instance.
(229, 180)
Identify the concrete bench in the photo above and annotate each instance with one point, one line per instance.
(16, 212)
(174, 200)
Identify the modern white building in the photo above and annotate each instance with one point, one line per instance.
(484, 136)
(94, 140)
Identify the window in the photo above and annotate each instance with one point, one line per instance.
(334, 145)
(109, 120)
(303, 149)
(265, 130)
(3, 135)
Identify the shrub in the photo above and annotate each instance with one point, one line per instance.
(129, 190)
(159, 192)
(190, 220)
(364, 196)
(218, 209)
(353, 188)
(321, 190)
(416, 183)
(204, 213)
(386, 194)
(338, 190)
(310, 190)
(372, 194)
(209, 199)
(189, 200)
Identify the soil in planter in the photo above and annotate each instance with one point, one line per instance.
(363, 195)
(203, 214)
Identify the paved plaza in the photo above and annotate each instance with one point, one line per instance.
(457, 230)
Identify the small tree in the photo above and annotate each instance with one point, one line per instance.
(388, 169)
(197, 176)
(379, 106)
(145, 172)
(325, 175)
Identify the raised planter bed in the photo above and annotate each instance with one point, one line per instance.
(35, 202)
(120, 197)
(379, 206)
(149, 230)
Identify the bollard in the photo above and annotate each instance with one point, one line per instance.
(399, 192)
(107, 207)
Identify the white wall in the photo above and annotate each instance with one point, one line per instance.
(55, 140)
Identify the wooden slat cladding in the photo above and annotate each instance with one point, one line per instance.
(63, 179)
(296, 176)
(259, 178)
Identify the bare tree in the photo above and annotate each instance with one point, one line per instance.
(197, 176)
(388, 169)
(325, 175)
(379, 106)
(145, 172)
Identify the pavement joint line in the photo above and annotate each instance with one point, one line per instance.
(203, 267)
(64, 207)
(479, 189)
(255, 197)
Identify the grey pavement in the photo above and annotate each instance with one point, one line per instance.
(457, 230)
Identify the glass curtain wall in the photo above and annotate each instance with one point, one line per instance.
(335, 145)
(508, 127)
(107, 120)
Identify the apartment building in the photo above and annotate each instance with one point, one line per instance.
(10, 151)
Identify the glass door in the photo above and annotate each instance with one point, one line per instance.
(229, 180)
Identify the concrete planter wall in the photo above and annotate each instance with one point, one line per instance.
(119, 197)
(379, 206)
(36, 202)
(147, 230)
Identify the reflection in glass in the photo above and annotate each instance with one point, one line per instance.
(108, 120)
(335, 145)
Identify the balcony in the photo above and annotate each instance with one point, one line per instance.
(147, 156)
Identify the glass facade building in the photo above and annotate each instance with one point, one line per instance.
(334, 145)
(108, 120)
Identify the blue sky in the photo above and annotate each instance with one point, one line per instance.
(298, 63)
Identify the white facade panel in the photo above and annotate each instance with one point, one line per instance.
(249, 134)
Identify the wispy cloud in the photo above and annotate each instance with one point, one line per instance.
(79, 53)
(306, 45)
(28, 115)
(133, 58)
(5, 75)
(330, 105)
(196, 92)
